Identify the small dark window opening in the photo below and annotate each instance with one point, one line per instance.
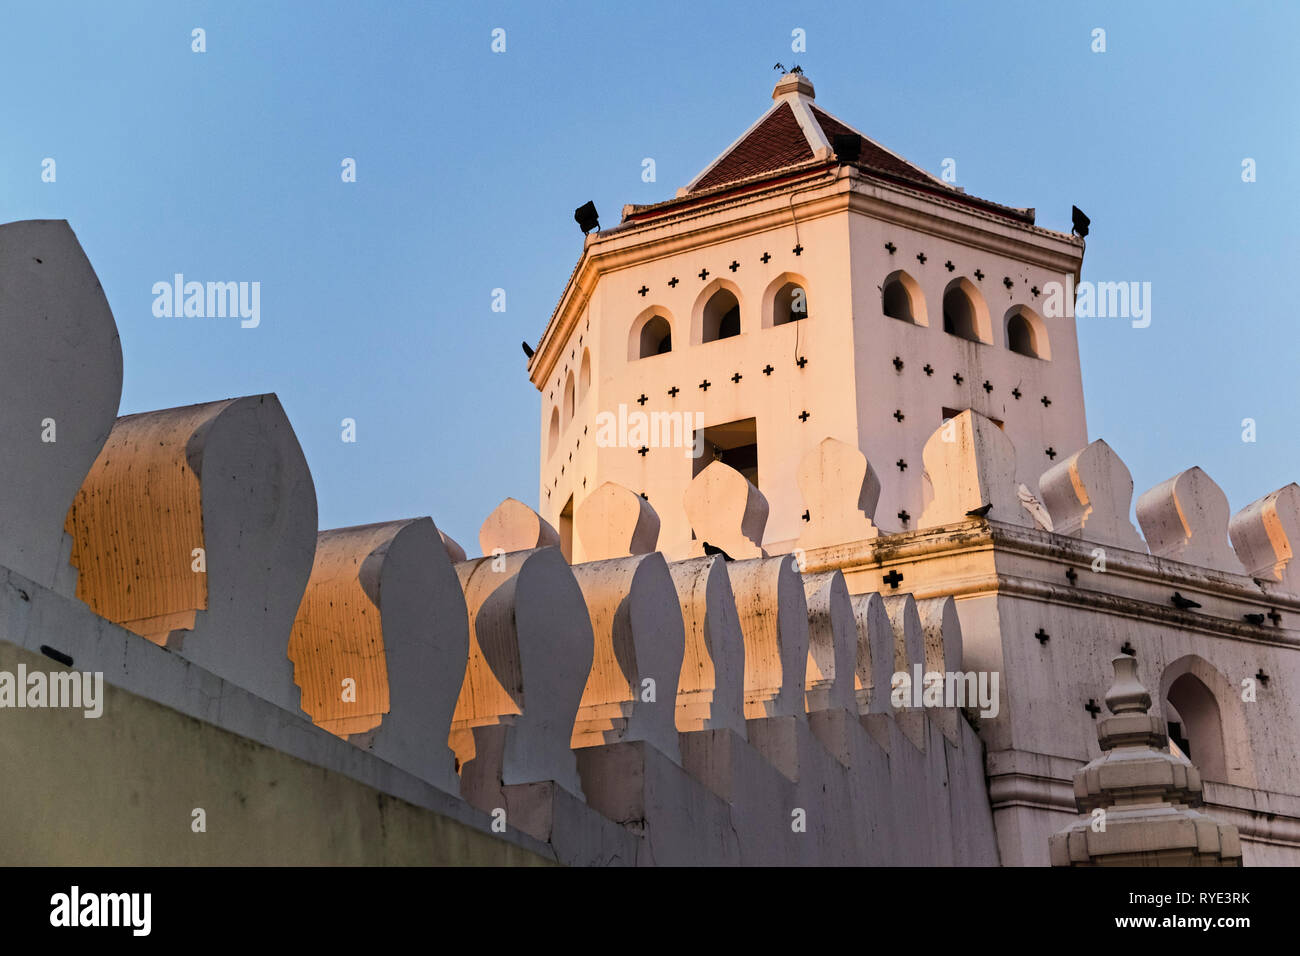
(950, 413)
(721, 316)
(959, 315)
(791, 304)
(1020, 336)
(898, 301)
(735, 444)
(1181, 742)
(566, 530)
(656, 337)
(1196, 711)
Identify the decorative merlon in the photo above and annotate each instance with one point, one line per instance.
(61, 369)
(1088, 496)
(379, 644)
(513, 526)
(726, 511)
(1265, 535)
(615, 522)
(971, 467)
(840, 490)
(1186, 518)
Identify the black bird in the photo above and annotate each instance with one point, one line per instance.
(779, 67)
(1256, 619)
(710, 549)
(1182, 603)
(527, 349)
(979, 512)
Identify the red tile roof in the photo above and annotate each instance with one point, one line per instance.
(775, 143)
(777, 149)
(872, 155)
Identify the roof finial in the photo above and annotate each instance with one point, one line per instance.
(793, 83)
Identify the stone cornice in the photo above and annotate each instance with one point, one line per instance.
(823, 192)
(1043, 782)
(1044, 556)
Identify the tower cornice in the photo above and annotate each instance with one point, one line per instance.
(826, 191)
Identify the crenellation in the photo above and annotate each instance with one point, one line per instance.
(726, 511)
(61, 366)
(840, 490)
(711, 691)
(631, 690)
(196, 529)
(513, 526)
(528, 629)
(875, 666)
(1089, 494)
(1185, 518)
(379, 642)
(970, 467)
(1265, 535)
(615, 522)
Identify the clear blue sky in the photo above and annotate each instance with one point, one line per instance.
(376, 296)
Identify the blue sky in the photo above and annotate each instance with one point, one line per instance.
(376, 296)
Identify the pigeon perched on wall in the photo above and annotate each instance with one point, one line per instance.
(710, 549)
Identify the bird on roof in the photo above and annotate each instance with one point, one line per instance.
(711, 549)
(527, 350)
(781, 68)
(1182, 603)
(981, 511)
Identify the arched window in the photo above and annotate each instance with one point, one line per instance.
(1020, 335)
(900, 298)
(656, 337)
(964, 314)
(1026, 333)
(790, 304)
(721, 316)
(553, 439)
(584, 375)
(1195, 726)
(569, 401)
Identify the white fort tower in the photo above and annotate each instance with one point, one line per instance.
(796, 291)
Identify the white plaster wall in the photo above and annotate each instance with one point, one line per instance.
(774, 400)
(882, 389)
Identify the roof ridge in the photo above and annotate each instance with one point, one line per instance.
(777, 141)
(819, 111)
